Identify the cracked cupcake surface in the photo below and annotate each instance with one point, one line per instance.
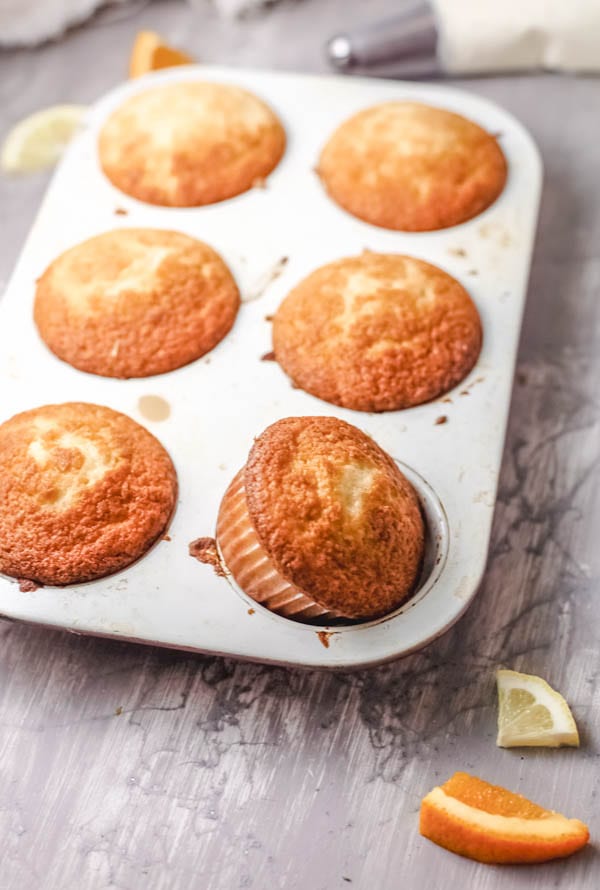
(135, 302)
(190, 143)
(412, 167)
(377, 332)
(321, 523)
(84, 491)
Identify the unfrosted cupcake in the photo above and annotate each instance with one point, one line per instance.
(190, 143)
(84, 491)
(135, 302)
(377, 332)
(403, 165)
(321, 523)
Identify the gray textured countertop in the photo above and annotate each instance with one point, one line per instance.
(128, 767)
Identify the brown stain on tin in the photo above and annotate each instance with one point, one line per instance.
(154, 408)
(467, 390)
(268, 357)
(324, 636)
(441, 420)
(266, 280)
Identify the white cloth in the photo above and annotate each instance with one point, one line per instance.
(235, 8)
(510, 35)
(29, 22)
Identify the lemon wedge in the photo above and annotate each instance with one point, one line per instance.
(39, 140)
(532, 714)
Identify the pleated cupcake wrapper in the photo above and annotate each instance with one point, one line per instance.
(251, 566)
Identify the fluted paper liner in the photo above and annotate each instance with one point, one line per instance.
(251, 566)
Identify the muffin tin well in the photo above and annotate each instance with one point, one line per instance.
(271, 238)
(434, 560)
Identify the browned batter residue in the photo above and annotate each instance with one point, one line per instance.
(267, 279)
(205, 550)
(120, 211)
(441, 420)
(467, 391)
(154, 408)
(251, 611)
(323, 636)
(27, 586)
(268, 357)
(167, 538)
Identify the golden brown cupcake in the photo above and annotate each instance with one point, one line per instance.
(377, 332)
(84, 491)
(135, 302)
(192, 143)
(321, 523)
(402, 165)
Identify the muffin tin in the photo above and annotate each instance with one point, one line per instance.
(271, 238)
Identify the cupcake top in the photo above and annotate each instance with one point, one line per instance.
(403, 165)
(135, 302)
(377, 332)
(188, 144)
(335, 515)
(84, 491)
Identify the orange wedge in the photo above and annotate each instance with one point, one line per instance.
(486, 822)
(149, 53)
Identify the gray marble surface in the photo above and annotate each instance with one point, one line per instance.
(127, 767)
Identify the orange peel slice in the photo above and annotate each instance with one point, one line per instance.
(149, 53)
(487, 823)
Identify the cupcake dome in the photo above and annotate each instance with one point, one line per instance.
(377, 332)
(407, 166)
(189, 144)
(84, 491)
(135, 302)
(328, 513)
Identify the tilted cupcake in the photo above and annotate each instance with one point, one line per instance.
(84, 491)
(407, 166)
(321, 523)
(190, 143)
(377, 332)
(135, 302)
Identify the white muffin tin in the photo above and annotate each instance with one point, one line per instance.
(219, 403)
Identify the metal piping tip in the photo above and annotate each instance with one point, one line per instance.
(339, 51)
(405, 44)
